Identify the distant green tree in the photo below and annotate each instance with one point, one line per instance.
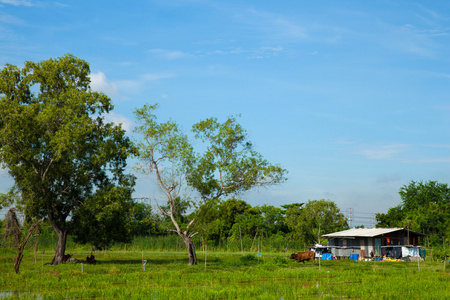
(144, 221)
(105, 217)
(316, 218)
(229, 211)
(55, 142)
(292, 213)
(217, 218)
(274, 220)
(236, 218)
(425, 208)
(249, 223)
(393, 218)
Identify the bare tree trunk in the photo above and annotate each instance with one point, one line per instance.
(190, 248)
(22, 247)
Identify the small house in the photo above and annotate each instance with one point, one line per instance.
(394, 243)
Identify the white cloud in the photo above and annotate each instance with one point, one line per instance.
(100, 83)
(59, 4)
(237, 50)
(383, 152)
(407, 154)
(261, 52)
(430, 12)
(17, 2)
(256, 53)
(418, 40)
(169, 54)
(8, 19)
(135, 85)
(275, 24)
(265, 52)
(216, 41)
(112, 117)
(434, 160)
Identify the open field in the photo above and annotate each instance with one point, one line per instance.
(226, 276)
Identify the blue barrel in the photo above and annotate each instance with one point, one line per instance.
(354, 256)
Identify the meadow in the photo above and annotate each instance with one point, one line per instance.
(121, 274)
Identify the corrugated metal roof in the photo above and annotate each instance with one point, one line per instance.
(362, 232)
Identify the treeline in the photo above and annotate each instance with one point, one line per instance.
(223, 223)
(235, 225)
(230, 225)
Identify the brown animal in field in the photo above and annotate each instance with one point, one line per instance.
(66, 257)
(302, 256)
(91, 260)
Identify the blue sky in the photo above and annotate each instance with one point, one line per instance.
(352, 97)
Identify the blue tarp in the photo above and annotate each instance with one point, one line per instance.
(378, 259)
(326, 256)
(354, 256)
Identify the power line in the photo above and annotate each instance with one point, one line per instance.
(357, 218)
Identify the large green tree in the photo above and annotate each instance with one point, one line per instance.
(54, 140)
(316, 218)
(228, 165)
(425, 208)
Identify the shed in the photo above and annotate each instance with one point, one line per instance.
(370, 242)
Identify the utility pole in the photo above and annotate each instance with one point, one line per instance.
(350, 217)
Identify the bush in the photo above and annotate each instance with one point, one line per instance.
(248, 258)
(279, 261)
(438, 253)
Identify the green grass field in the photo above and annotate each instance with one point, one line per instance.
(226, 276)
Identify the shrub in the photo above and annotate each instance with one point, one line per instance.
(248, 258)
(279, 261)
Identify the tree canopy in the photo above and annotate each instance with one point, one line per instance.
(316, 218)
(106, 217)
(425, 208)
(54, 140)
(228, 166)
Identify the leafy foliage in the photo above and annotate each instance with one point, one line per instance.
(425, 208)
(229, 165)
(234, 218)
(104, 218)
(54, 140)
(316, 218)
(10, 198)
(144, 221)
